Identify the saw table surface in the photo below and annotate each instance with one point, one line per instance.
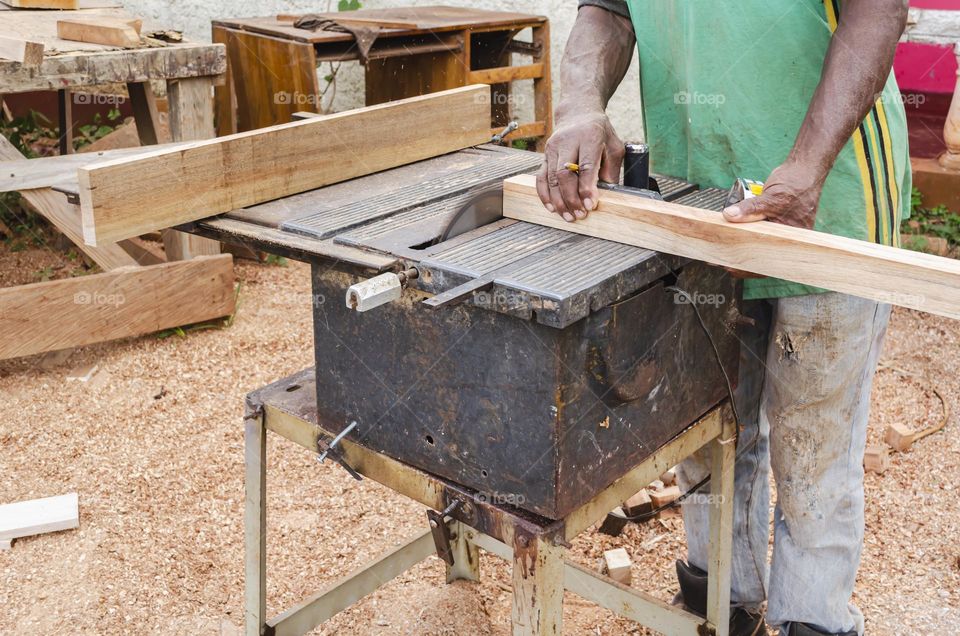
(393, 219)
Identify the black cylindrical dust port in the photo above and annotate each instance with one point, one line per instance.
(636, 165)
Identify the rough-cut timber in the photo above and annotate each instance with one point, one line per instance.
(125, 302)
(887, 274)
(24, 51)
(126, 197)
(105, 30)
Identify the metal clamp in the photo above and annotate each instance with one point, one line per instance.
(440, 531)
(332, 450)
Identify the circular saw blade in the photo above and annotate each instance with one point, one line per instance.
(483, 208)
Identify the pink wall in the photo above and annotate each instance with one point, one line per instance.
(925, 68)
(936, 4)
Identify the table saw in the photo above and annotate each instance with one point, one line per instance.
(551, 364)
(521, 381)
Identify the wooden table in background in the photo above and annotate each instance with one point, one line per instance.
(189, 69)
(273, 65)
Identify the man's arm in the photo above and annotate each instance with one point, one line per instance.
(595, 60)
(855, 70)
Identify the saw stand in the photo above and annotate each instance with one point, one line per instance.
(470, 522)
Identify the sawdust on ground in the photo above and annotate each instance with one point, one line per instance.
(154, 446)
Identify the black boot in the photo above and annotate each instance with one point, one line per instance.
(693, 597)
(804, 629)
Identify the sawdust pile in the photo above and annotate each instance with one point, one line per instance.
(154, 446)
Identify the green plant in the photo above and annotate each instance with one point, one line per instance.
(89, 133)
(273, 259)
(926, 223)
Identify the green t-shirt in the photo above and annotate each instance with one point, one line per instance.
(726, 85)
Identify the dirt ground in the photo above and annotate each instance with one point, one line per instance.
(154, 446)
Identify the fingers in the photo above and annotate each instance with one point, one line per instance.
(748, 211)
(568, 185)
(587, 191)
(543, 191)
(612, 161)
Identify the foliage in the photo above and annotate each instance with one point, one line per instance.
(98, 129)
(926, 224)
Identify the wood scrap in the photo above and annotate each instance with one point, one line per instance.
(876, 459)
(38, 516)
(886, 274)
(26, 52)
(639, 504)
(106, 30)
(125, 302)
(617, 565)
(665, 496)
(210, 177)
(669, 477)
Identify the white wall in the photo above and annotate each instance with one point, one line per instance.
(194, 16)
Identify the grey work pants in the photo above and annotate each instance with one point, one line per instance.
(804, 397)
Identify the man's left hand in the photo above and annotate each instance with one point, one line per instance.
(790, 196)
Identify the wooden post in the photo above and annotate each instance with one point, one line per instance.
(542, 87)
(951, 132)
(255, 524)
(65, 120)
(144, 105)
(466, 555)
(537, 586)
(191, 118)
(723, 456)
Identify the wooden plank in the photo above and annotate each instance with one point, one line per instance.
(145, 114)
(191, 118)
(126, 302)
(886, 274)
(37, 516)
(43, 4)
(347, 18)
(219, 175)
(90, 68)
(66, 217)
(506, 74)
(124, 33)
(26, 52)
(46, 172)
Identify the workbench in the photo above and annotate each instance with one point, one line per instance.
(442, 48)
(189, 69)
(508, 388)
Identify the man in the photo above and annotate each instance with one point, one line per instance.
(798, 92)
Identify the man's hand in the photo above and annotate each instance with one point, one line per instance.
(790, 196)
(595, 59)
(589, 141)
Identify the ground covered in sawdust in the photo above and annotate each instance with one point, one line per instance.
(154, 446)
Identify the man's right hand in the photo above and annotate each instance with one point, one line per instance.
(589, 141)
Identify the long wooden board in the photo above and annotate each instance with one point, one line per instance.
(24, 51)
(887, 274)
(37, 516)
(124, 302)
(127, 197)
